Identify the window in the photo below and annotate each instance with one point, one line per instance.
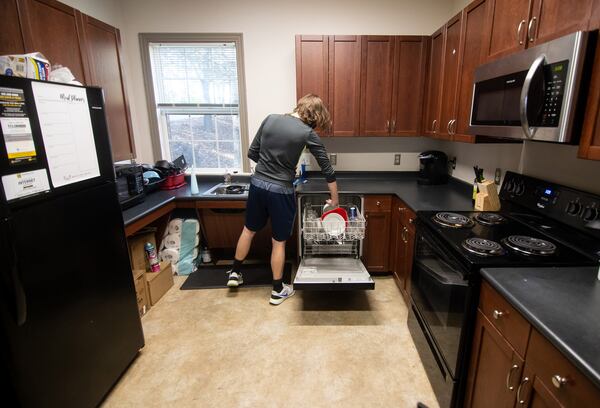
(195, 100)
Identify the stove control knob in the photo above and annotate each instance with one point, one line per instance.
(590, 213)
(573, 208)
(520, 188)
(510, 186)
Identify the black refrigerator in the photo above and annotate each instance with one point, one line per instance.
(70, 322)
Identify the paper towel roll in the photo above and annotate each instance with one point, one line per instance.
(169, 255)
(172, 241)
(175, 226)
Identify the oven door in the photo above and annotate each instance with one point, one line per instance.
(440, 292)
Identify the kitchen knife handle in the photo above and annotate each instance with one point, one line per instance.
(19, 294)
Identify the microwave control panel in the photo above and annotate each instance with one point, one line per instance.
(555, 76)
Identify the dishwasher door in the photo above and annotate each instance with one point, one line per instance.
(332, 273)
(330, 263)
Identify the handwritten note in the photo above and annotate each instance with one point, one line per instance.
(67, 132)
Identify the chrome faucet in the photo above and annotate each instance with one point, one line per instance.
(227, 177)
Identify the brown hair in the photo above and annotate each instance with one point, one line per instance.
(313, 112)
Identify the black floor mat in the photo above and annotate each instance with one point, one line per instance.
(215, 277)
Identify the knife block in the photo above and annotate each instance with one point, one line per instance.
(487, 199)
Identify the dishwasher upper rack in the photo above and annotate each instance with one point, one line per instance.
(313, 231)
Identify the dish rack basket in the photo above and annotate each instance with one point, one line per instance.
(317, 241)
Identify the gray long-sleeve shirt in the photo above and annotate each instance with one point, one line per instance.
(277, 147)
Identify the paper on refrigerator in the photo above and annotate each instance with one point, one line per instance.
(64, 118)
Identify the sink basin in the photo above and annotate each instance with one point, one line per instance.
(229, 189)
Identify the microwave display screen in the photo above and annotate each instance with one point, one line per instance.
(497, 101)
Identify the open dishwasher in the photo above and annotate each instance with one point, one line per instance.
(329, 262)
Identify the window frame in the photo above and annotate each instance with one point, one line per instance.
(155, 123)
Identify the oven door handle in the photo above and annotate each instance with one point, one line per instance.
(537, 64)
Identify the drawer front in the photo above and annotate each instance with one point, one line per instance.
(378, 203)
(332, 273)
(505, 318)
(550, 367)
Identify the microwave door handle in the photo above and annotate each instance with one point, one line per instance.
(537, 64)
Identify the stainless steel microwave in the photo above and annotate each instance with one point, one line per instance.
(532, 94)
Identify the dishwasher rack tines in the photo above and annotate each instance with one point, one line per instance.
(318, 241)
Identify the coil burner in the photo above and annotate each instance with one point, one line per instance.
(453, 220)
(529, 245)
(490, 218)
(483, 247)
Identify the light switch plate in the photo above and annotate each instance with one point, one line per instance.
(333, 159)
(397, 159)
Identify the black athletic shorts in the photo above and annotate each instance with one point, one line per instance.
(269, 201)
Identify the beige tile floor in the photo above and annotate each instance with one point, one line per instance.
(221, 348)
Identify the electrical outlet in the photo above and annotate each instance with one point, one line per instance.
(397, 159)
(333, 159)
(498, 176)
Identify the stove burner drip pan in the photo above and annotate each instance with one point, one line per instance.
(490, 218)
(453, 220)
(529, 245)
(483, 247)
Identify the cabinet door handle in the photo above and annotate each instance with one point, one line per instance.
(453, 127)
(509, 376)
(393, 125)
(403, 234)
(387, 125)
(378, 203)
(558, 381)
(519, 28)
(532, 22)
(448, 126)
(433, 124)
(497, 314)
(411, 220)
(521, 401)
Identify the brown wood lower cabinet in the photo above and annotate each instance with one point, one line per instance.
(495, 368)
(402, 241)
(377, 236)
(500, 376)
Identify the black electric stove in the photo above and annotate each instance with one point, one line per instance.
(540, 224)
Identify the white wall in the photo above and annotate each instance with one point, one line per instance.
(268, 27)
(108, 11)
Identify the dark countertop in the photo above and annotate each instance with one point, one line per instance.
(454, 196)
(563, 304)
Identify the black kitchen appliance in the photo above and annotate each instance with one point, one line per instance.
(70, 322)
(433, 167)
(130, 184)
(540, 224)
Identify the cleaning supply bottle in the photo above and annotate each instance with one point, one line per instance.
(194, 182)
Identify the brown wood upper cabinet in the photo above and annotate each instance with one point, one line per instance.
(54, 29)
(518, 24)
(431, 116)
(473, 24)
(312, 59)
(589, 145)
(450, 78)
(11, 40)
(373, 85)
(376, 85)
(344, 84)
(410, 59)
(106, 70)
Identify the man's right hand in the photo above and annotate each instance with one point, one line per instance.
(332, 203)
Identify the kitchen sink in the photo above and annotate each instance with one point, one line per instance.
(229, 189)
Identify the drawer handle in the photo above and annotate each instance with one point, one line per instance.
(558, 381)
(497, 314)
(525, 380)
(509, 376)
(411, 220)
(378, 203)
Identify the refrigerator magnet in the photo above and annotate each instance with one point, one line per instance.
(21, 185)
(16, 128)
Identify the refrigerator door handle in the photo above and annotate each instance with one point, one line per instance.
(18, 291)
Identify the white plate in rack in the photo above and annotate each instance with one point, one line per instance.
(334, 224)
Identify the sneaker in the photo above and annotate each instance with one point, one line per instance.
(278, 298)
(235, 279)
